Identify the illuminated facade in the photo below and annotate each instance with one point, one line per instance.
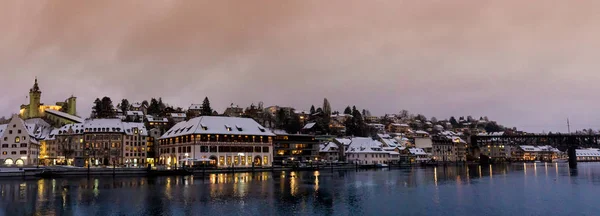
(218, 141)
(19, 146)
(35, 109)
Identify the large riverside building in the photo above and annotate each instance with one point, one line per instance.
(221, 141)
(36, 109)
(97, 142)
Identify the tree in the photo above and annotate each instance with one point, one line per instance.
(103, 108)
(453, 121)
(434, 120)
(348, 111)
(281, 118)
(319, 110)
(404, 114)
(470, 119)
(124, 106)
(145, 103)
(153, 108)
(65, 107)
(206, 110)
(326, 107)
(312, 109)
(293, 126)
(493, 127)
(421, 118)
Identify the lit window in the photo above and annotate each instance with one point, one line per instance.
(17, 139)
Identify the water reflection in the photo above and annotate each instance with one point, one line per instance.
(447, 189)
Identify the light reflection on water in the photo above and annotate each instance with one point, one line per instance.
(511, 189)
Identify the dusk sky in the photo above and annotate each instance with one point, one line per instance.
(530, 64)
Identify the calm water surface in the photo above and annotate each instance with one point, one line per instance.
(549, 189)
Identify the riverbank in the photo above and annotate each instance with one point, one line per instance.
(60, 171)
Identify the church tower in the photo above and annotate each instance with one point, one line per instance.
(34, 100)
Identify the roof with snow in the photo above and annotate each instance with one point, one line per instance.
(365, 145)
(218, 125)
(588, 152)
(134, 113)
(177, 115)
(65, 115)
(417, 151)
(309, 126)
(328, 147)
(195, 107)
(151, 118)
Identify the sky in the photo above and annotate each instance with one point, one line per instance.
(529, 64)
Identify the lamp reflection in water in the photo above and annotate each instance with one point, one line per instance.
(435, 180)
(293, 184)
(317, 174)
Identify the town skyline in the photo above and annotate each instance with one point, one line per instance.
(529, 65)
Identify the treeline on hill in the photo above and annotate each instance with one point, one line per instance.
(351, 122)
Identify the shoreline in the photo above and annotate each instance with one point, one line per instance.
(61, 172)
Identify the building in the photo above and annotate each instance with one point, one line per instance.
(367, 151)
(494, 148)
(99, 142)
(224, 141)
(177, 116)
(234, 111)
(398, 128)
(295, 147)
(156, 122)
(449, 147)
(142, 107)
(533, 153)
(19, 144)
(590, 154)
(36, 109)
(152, 145)
(329, 152)
(379, 127)
(372, 119)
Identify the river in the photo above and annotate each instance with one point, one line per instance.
(517, 189)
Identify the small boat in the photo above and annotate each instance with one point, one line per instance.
(381, 165)
(560, 161)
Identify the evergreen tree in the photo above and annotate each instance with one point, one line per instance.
(206, 110)
(153, 108)
(293, 125)
(348, 111)
(319, 110)
(103, 108)
(281, 118)
(312, 109)
(124, 106)
(326, 107)
(453, 121)
(145, 103)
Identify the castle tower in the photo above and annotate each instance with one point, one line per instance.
(34, 100)
(72, 103)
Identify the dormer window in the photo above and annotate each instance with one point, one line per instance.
(204, 127)
(228, 127)
(238, 128)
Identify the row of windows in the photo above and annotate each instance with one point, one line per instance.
(136, 154)
(14, 153)
(222, 149)
(11, 132)
(215, 138)
(17, 139)
(23, 145)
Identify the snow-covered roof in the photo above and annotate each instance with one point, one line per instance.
(421, 132)
(309, 125)
(588, 152)
(390, 142)
(343, 141)
(328, 147)
(217, 125)
(417, 151)
(151, 118)
(400, 125)
(546, 148)
(65, 115)
(491, 134)
(134, 113)
(129, 128)
(136, 105)
(364, 145)
(195, 107)
(177, 115)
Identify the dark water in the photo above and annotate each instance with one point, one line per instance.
(477, 190)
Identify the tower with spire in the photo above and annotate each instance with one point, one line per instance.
(35, 96)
